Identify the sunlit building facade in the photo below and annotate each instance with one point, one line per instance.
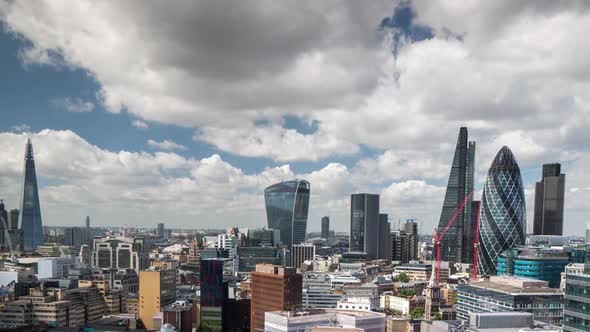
(287, 205)
(503, 211)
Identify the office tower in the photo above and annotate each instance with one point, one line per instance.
(459, 187)
(403, 246)
(264, 237)
(503, 211)
(469, 233)
(549, 201)
(214, 293)
(3, 224)
(545, 264)
(249, 257)
(577, 298)
(119, 254)
(157, 288)
(30, 211)
(364, 224)
(503, 293)
(85, 255)
(325, 227)
(13, 219)
(273, 288)
(160, 231)
(301, 253)
(384, 238)
(287, 204)
(411, 229)
(87, 221)
(74, 236)
(588, 232)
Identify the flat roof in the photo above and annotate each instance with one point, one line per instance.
(510, 289)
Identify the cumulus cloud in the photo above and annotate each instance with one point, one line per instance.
(139, 124)
(513, 72)
(165, 145)
(74, 105)
(21, 128)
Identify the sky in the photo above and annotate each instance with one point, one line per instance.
(183, 112)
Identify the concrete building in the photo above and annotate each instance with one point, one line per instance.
(157, 288)
(301, 253)
(325, 227)
(284, 321)
(179, 314)
(319, 292)
(119, 253)
(491, 322)
(358, 304)
(16, 274)
(401, 305)
(416, 272)
(503, 293)
(273, 288)
(55, 267)
(577, 299)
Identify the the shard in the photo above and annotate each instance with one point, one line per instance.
(503, 211)
(455, 243)
(30, 217)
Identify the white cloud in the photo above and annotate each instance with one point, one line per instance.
(74, 105)
(165, 145)
(21, 128)
(139, 124)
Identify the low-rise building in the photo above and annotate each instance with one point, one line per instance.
(283, 321)
(505, 294)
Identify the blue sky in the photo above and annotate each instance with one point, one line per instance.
(352, 97)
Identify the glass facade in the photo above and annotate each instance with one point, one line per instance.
(287, 206)
(30, 216)
(459, 186)
(534, 263)
(576, 314)
(364, 224)
(503, 211)
(549, 201)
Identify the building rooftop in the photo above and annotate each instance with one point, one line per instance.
(512, 285)
(312, 312)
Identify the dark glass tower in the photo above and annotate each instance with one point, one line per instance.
(503, 211)
(364, 224)
(326, 227)
(549, 200)
(30, 215)
(459, 186)
(287, 205)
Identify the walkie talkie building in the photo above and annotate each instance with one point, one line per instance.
(503, 211)
(287, 205)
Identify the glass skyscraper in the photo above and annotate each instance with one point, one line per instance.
(455, 244)
(503, 211)
(364, 224)
(287, 205)
(549, 201)
(30, 216)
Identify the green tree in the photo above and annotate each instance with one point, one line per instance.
(417, 313)
(407, 293)
(437, 316)
(402, 277)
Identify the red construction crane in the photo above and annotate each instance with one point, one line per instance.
(476, 242)
(438, 237)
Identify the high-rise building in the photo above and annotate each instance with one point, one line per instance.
(287, 205)
(577, 299)
(411, 228)
(325, 227)
(3, 224)
(13, 219)
(87, 221)
(214, 293)
(549, 201)
(30, 211)
(74, 236)
(503, 211)
(119, 254)
(160, 230)
(460, 185)
(273, 288)
(301, 253)
(588, 232)
(403, 246)
(384, 238)
(157, 288)
(364, 224)
(469, 233)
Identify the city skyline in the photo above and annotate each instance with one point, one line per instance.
(199, 151)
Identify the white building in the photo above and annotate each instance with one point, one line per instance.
(359, 303)
(16, 274)
(286, 321)
(55, 267)
(395, 303)
(573, 268)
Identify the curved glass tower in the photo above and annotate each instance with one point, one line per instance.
(30, 216)
(503, 211)
(287, 204)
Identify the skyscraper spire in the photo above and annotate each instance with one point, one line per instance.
(30, 216)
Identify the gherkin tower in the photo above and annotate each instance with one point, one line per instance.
(503, 211)
(30, 217)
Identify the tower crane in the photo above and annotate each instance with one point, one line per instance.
(438, 237)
